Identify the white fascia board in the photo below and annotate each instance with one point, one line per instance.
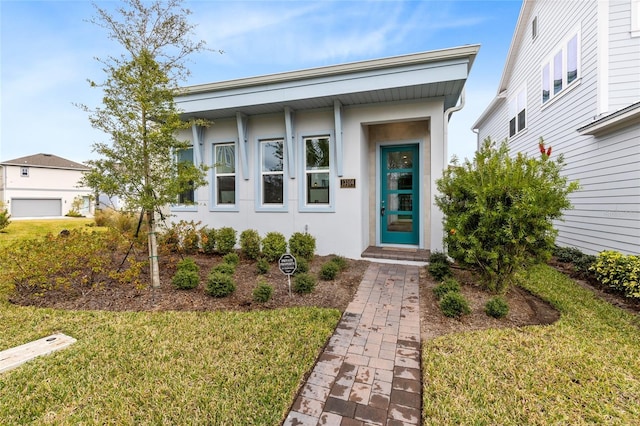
(618, 120)
(325, 86)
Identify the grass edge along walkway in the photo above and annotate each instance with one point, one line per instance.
(161, 367)
(584, 369)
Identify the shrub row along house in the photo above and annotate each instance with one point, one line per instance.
(43, 185)
(349, 153)
(572, 76)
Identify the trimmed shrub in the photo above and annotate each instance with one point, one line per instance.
(438, 257)
(584, 263)
(302, 245)
(220, 284)
(340, 262)
(497, 307)
(185, 279)
(302, 266)
(567, 254)
(439, 270)
(250, 243)
(262, 266)
(224, 268)
(208, 240)
(263, 292)
(329, 271)
(448, 285)
(454, 305)
(619, 272)
(274, 245)
(499, 210)
(225, 240)
(304, 283)
(187, 264)
(231, 258)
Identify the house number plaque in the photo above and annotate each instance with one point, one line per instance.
(347, 183)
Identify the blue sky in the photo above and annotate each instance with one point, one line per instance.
(47, 54)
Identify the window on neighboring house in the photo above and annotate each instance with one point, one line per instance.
(272, 172)
(534, 28)
(562, 69)
(518, 112)
(24, 171)
(317, 161)
(224, 172)
(187, 196)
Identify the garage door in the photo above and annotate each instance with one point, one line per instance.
(31, 207)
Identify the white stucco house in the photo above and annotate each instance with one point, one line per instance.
(349, 153)
(572, 76)
(43, 185)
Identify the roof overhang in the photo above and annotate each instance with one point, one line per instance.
(612, 122)
(435, 74)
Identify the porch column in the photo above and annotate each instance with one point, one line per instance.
(197, 143)
(290, 142)
(337, 117)
(241, 121)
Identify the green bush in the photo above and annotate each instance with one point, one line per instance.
(250, 243)
(220, 284)
(618, 271)
(4, 217)
(341, 262)
(454, 305)
(262, 266)
(263, 292)
(329, 271)
(187, 264)
(224, 268)
(274, 245)
(181, 237)
(185, 279)
(231, 258)
(567, 254)
(439, 270)
(497, 307)
(208, 240)
(584, 263)
(448, 285)
(302, 266)
(304, 283)
(438, 257)
(225, 240)
(499, 211)
(302, 245)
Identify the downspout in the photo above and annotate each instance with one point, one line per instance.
(447, 116)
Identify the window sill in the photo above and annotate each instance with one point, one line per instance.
(317, 209)
(635, 33)
(231, 208)
(562, 93)
(519, 134)
(183, 208)
(275, 209)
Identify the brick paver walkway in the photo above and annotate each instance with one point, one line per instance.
(369, 373)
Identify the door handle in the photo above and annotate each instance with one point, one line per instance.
(382, 211)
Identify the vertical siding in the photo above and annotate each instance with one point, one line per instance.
(606, 210)
(624, 57)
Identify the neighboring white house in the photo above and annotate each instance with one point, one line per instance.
(349, 153)
(573, 77)
(43, 185)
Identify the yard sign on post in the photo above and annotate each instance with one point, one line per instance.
(287, 265)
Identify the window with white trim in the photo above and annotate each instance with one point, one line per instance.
(317, 168)
(271, 172)
(562, 68)
(188, 196)
(518, 112)
(224, 174)
(24, 171)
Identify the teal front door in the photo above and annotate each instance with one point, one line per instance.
(399, 194)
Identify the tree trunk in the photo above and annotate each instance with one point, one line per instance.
(154, 268)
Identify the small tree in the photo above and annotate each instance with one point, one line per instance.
(4, 217)
(139, 114)
(499, 211)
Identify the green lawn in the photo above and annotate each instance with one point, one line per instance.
(21, 229)
(160, 367)
(584, 369)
